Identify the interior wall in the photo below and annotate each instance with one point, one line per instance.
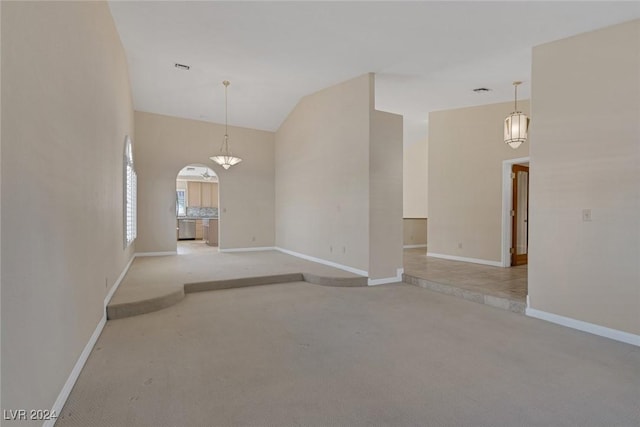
(414, 231)
(66, 110)
(466, 151)
(586, 155)
(246, 191)
(385, 186)
(322, 175)
(415, 176)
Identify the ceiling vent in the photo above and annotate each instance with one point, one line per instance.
(481, 89)
(182, 66)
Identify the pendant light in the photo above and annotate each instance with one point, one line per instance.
(516, 125)
(225, 158)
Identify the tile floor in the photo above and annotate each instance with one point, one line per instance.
(510, 283)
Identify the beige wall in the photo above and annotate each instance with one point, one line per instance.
(415, 178)
(414, 231)
(322, 175)
(385, 195)
(466, 151)
(164, 145)
(586, 155)
(67, 109)
(334, 196)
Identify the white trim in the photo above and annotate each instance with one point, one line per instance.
(117, 283)
(75, 372)
(414, 246)
(77, 368)
(142, 254)
(324, 261)
(255, 249)
(465, 259)
(384, 281)
(506, 208)
(591, 328)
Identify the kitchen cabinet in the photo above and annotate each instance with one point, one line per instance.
(209, 195)
(212, 233)
(194, 196)
(199, 233)
(202, 194)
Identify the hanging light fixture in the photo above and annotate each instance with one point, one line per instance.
(516, 125)
(225, 158)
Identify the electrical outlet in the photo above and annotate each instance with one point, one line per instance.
(586, 215)
(253, 238)
(459, 245)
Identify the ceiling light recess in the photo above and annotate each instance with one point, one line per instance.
(516, 125)
(225, 158)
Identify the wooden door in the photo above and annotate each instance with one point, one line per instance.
(520, 215)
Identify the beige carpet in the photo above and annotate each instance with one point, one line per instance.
(299, 354)
(153, 283)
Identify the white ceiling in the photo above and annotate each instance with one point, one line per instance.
(427, 56)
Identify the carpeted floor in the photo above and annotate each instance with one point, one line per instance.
(393, 355)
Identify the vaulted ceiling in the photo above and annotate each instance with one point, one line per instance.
(427, 56)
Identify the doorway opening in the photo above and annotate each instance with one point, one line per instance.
(197, 202)
(515, 212)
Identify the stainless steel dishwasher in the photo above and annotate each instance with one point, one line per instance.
(186, 229)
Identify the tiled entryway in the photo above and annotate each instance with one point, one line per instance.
(497, 286)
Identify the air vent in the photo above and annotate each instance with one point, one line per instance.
(182, 66)
(481, 89)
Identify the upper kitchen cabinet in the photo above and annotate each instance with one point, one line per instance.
(202, 194)
(194, 196)
(210, 194)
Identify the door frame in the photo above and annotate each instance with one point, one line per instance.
(507, 194)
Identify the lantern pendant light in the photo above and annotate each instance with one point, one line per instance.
(225, 158)
(516, 125)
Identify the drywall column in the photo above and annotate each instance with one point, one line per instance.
(586, 157)
(385, 184)
(322, 175)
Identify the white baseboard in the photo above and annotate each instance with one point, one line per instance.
(324, 261)
(385, 280)
(255, 249)
(414, 246)
(117, 283)
(465, 259)
(591, 328)
(142, 254)
(75, 372)
(77, 368)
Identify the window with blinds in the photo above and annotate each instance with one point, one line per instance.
(130, 196)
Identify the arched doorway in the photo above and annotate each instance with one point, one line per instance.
(197, 209)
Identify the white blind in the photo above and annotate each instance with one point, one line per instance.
(131, 187)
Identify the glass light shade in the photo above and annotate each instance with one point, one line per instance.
(516, 127)
(226, 161)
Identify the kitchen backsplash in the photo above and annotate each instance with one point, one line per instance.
(198, 212)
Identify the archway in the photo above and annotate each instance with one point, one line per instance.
(197, 209)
